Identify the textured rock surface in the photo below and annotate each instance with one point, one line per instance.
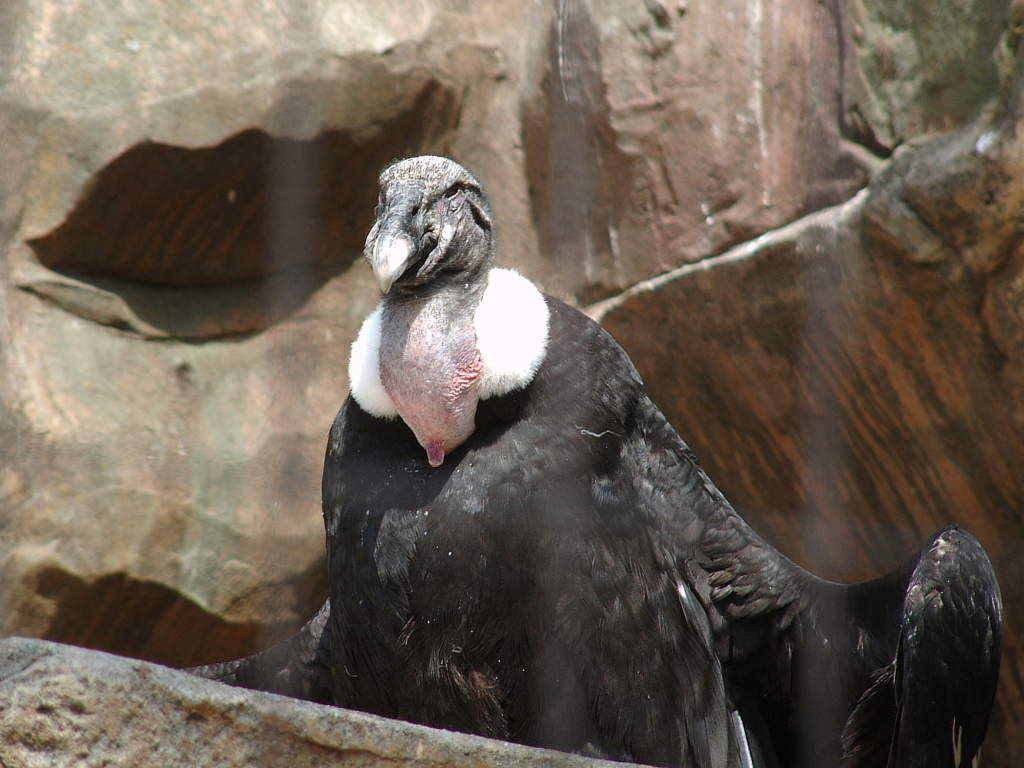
(185, 189)
(664, 132)
(64, 706)
(849, 380)
(910, 70)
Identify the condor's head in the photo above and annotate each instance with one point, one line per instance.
(450, 330)
(433, 227)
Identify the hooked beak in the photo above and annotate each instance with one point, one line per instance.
(391, 255)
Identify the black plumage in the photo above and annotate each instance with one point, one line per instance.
(567, 575)
(517, 590)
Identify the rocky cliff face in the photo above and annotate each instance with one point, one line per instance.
(802, 219)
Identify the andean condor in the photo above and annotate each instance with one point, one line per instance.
(521, 546)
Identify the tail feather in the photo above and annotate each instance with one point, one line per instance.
(867, 737)
(930, 707)
(297, 667)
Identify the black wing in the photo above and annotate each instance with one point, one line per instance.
(297, 667)
(572, 609)
(899, 671)
(930, 706)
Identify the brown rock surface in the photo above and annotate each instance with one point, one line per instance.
(664, 132)
(185, 189)
(848, 380)
(64, 706)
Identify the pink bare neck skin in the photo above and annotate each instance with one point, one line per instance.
(430, 366)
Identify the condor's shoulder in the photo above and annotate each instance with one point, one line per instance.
(584, 356)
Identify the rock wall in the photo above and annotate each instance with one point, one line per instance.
(802, 219)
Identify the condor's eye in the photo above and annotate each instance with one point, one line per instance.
(454, 196)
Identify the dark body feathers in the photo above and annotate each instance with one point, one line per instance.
(570, 577)
(527, 588)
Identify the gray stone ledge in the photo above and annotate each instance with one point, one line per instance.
(61, 705)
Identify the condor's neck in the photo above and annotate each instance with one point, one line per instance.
(430, 366)
(428, 344)
(507, 316)
(428, 347)
(447, 304)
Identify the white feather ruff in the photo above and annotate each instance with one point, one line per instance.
(364, 369)
(511, 325)
(511, 332)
